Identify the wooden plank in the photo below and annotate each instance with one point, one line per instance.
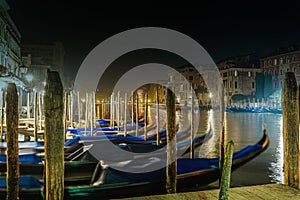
(258, 192)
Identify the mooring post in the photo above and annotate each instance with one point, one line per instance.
(226, 172)
(125, 115)
(136, 115)
(78, 109)
(2, 114)
(290, 110)
(12, 158)
(65, 114)
(54, 137)
(28, 105)
(157, 117)
(222, 131)
(145, 116)
(171, 169)
(221, 151)
(35, 116)
(192, 147)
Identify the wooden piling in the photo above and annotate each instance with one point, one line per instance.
(192, 147)
(78, 109)
(290, 110)
(221, 150)
(66, 99)
(226, 172)
(171, 168)
(2, 114)
(125, 115)
(35, 116)
(136, 115)
(222, 131)
(54, 137)
(145, 116)
(12, 158)
(157, 117)
(28, 105)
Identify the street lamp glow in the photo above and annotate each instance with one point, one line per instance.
(29, 77)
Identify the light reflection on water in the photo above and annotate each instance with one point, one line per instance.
(246, 129)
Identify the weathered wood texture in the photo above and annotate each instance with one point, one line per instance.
(258, 192)
(54, 137)
(2, 114)
(226, 172)
(290, 109)
(12, 159)
(35, 116)
(171, 169)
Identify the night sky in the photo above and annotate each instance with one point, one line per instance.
(224, 29)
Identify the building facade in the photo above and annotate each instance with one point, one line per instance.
(275, 66)
(39, 58)
(10, 49)
(239, 76)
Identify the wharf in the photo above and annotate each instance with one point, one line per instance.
(261, 192)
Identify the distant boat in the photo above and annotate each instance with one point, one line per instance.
(112, 183)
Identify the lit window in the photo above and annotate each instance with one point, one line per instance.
(249, 74)
(275, 61)
(235, 73)
(281, 61)
(287, 59)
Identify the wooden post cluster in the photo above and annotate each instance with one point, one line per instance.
(290, 110)
(171, 169)
(12, 159)
(54, 137)
(226, 172)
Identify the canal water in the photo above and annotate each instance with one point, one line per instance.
(246, 129)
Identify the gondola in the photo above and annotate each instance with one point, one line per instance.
(79, 167)
(112, 183)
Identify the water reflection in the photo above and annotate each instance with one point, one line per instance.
(246, 129)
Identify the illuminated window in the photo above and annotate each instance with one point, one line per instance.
(287, 59)
(275, 61)
(235, 73)
(281, 61)
(249, 74)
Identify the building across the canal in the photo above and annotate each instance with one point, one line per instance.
(275, 65)
(240, 76)
(10, 50)
(39, 58)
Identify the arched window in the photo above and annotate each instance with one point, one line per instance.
(269, 62)
(294, 58)
(275, 61)
(287, 60)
